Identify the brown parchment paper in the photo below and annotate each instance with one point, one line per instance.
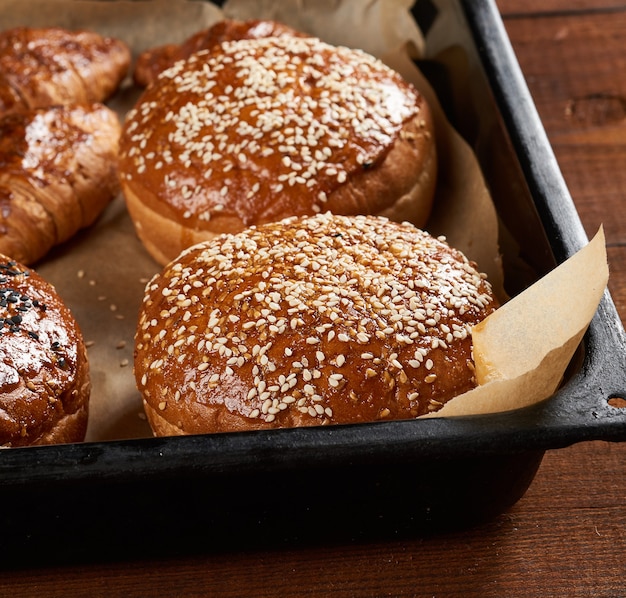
(101, 274)
(522, 350)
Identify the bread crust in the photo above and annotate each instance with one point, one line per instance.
(309, 321)
(48, 66)
(154, 61)
(213, 148)
(44, 372)
(58, 171)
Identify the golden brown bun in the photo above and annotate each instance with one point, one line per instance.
(262, 129)
(47, 66)
(153, 61)
(58, 171)
(44, 373)
(308, 321)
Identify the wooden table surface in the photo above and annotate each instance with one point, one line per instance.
(567, 535)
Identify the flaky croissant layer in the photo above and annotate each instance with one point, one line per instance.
(58, 171)
(48, 66)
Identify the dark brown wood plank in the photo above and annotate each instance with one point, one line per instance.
(566, 536)
(513, 8)
(583, 106)
(575, 68)
(617, 278)
(596, 177)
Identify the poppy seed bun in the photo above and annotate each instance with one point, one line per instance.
(44, 373)
(309, 321)
(257, 130)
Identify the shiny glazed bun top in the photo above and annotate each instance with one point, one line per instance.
(44, 375)
(256, 130)
(308, 321)
(153, 61)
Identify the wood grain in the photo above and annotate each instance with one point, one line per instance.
(583, 107)
(574, 62)
(566, 536)
(544, 8)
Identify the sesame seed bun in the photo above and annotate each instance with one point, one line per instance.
(44, 372)
(256, 130)
(155, 60)
(309, 321)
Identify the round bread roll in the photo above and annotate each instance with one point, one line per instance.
(44, 372)
(155, 60)
(257, 130)
(309, 321)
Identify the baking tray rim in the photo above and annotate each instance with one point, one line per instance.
(555, 423)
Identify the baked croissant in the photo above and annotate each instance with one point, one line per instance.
(154, 60)
(58, 171)
(46, 66)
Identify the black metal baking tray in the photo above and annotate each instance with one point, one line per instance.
(219, 492)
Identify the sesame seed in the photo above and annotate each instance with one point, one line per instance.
(296, 293)
(248, 81)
